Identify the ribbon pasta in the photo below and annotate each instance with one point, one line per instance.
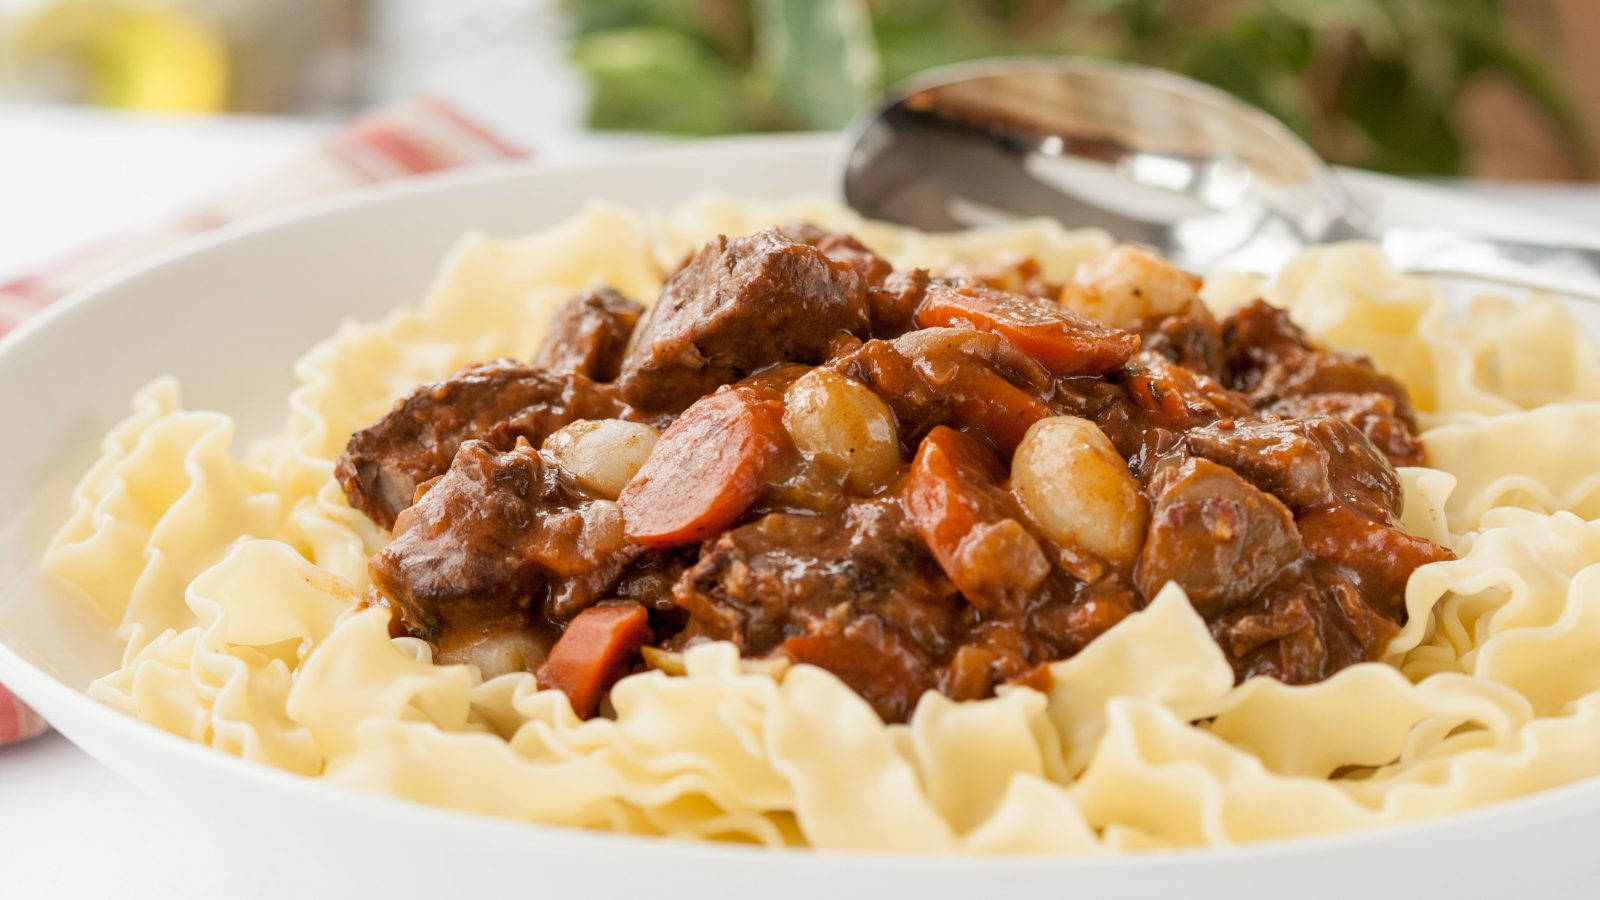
(232, 575)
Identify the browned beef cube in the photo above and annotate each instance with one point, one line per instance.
(1307, 463)
(894, 301)
(831, 590)
(497, 402)
(1215, 534)
(736, 307)
(1255, 335)
(1302, 628)
(1376, 415)
(1325, 372)
(1192, 339)
(1269, 358)
(844, 248)
(770, 579)
(892, 296)
(589, 335)
(492, 538)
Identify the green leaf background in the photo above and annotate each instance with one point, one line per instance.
(1373, 83)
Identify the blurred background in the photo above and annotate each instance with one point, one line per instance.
(1501, 88)
(116, 114)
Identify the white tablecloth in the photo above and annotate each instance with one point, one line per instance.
(68, 827)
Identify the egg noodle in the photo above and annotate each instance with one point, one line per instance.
(234, 577)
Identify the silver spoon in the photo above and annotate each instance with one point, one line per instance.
(1151, 157)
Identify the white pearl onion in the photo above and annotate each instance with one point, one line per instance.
(1077, 490)
(841, 420)
(602, 454)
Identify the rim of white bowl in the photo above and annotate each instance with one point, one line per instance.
(43, 690)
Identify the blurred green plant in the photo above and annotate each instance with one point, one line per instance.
(1373, 83)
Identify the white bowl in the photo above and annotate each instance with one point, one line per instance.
(228, 314)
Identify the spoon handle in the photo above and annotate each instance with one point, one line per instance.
(1573, 271)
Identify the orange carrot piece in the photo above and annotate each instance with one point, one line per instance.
(1064, 342)
(941, 507)
(707, 470)
(953, 499)
(1001, 411)
(593, 652)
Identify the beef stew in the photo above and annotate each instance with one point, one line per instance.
(918, 481)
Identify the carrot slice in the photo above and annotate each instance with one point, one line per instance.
(593, 652)
(953, 499)
(982, 400)
(708, 468)
(1062, 341)
(938, 496)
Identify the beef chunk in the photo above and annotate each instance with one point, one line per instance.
(589, 334)
(1376, 556)
(1302, 629)
(739, 306)
(1275, 456)
(492, 538)
(873, 658)
(835, 590)
(784, 574)
(1269, 358)
(1256, 335)
(1215, 534)
(497, 402)
(844, 248)
(1192, 339)
(1340, 607)
(895, 300)
(1323, 372)
(1284, 374)
(1376, 414)
(891, 296)
(1307, 463)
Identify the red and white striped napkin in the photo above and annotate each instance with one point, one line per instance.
(421, 135)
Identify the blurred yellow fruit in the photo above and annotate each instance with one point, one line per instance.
(133, 55)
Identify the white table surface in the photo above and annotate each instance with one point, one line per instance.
(68, 827)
